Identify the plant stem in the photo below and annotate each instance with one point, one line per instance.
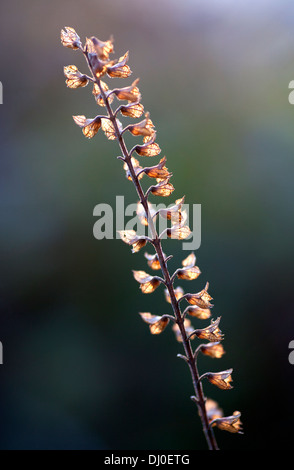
(156, 241)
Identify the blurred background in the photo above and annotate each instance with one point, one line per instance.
(81, 370)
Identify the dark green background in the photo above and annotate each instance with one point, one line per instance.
(81, 370)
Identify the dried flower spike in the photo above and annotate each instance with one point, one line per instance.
(97, 54)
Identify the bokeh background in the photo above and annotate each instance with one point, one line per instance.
(81, 370)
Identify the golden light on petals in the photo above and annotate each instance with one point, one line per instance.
(69, 38)
(214, 350)
(102, 48)
(132, 110)
(189, 273)
(141, 128)
(109, 129)
(164, 189)
(231, 424)
(156, 323)
(131, 238)
(158, 171)
(148, 284)
(179, 233)
(75, 79)
(130, 93)
(212, 332)
(120, 69)
(201, 299)
(189, 261)
(221, 379)
(195, 311)
(153, 261)
(149, 148)
(90, 127)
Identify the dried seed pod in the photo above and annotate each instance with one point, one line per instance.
(74, 78)
(220, 379)
(133, 110)
(120, 69)
(153, 261)
(149, 148)
(102, 48)
(90, 127)
(195, 311)
(231, 424)
(131, 238)
(156, 323)
(211, 332)
(69, 38)
(158, 171)
(130, 93)
(148, 283)
(214, 349)
(164, 189)
(201, 299)
(189, 274)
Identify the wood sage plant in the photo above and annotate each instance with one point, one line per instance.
(97, 55)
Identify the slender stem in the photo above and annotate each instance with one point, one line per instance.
(156, 241)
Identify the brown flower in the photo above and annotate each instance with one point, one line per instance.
(133, 110)
(214, 349)
(164, 189)
(195, 311)
(149, 148)
(212, 332)
(69, 38)
(90, 127)
(158, 171)
(220, 379)
(131, 238)
(120, 69)
(130, 93)
(153, 261)
(229, 423)
(74, 78)
(102, 48)
(156, 323)
(148, 283)
(201, 299)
